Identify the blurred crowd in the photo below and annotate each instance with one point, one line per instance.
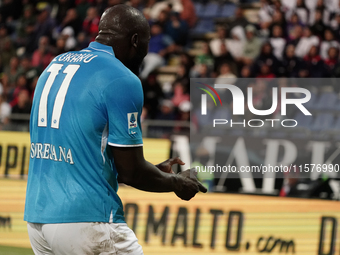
(32, 33)
(292, 38)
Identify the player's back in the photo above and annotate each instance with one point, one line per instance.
(71, 177)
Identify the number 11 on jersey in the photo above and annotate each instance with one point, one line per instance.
(54, 69)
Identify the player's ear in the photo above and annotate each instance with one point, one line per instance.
(134, 40)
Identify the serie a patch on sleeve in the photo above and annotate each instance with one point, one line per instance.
(132, 123)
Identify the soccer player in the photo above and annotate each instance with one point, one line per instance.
(85, 135)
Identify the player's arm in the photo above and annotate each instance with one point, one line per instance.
(135, 171)
(165, 166)
(123, 100)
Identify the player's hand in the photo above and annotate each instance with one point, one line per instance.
(188, 185)
(167, 164)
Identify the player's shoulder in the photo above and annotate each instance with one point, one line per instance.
(106, 57)
(99, 62)
(111, 66)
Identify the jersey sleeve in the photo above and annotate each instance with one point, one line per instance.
(123, 99)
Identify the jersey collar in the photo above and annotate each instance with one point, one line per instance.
(101, 47)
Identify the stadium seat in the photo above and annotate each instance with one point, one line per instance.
(211, 10)
(199, 9)
(304, 121)
(336, 125)
(323, 121)
(203, 26)
(335, 128)
(228, 10)
(327, 101)
(311, 104)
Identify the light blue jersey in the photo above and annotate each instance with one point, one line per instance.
(83, 101)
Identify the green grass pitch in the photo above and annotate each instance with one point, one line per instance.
(6, 250)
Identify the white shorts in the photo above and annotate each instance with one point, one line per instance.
(86, 238)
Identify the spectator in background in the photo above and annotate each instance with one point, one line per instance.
(246, 72)
(177, 29)
(101, 6)
(291, 24)
(265, 14)
(218, 44)
(5, 112)
(318, 26)
(189, 13)
(236, 43)
(260, 97)
(21, 84)
(153, 94)
(296, 35)
(166, 110)
(335, 25)
(180, 94)
(278, 42)
(291, 64)
(6, 47)
(278, 20)
(135, 4)
(183, 76)
(23, 22)
(239, 19)
(27, 70)
(91, 23)
(29, 43)
(159, 46)
(252, 46)
(327, 43)
(320, 6)
(71, 20)
(155, 7)
(267, 57)
(60, 46)
(306, 42)
(224, 57)
(22, 107)
(63, 7)
(183, 114)
(43, 55)
(10, 10)
(314, 64)
(265, 72)
(68, 36)
(278, 5)
(12, 71)
(187, 61)
(332, 59)
(45, 24)
(144, 115)
(301, 10)
(1, 67)
(163, 18)
(205, 57)
(82, 41)
(225, 73)
(4, 85)
(81, 8)
(202, 71)
(33, 85)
